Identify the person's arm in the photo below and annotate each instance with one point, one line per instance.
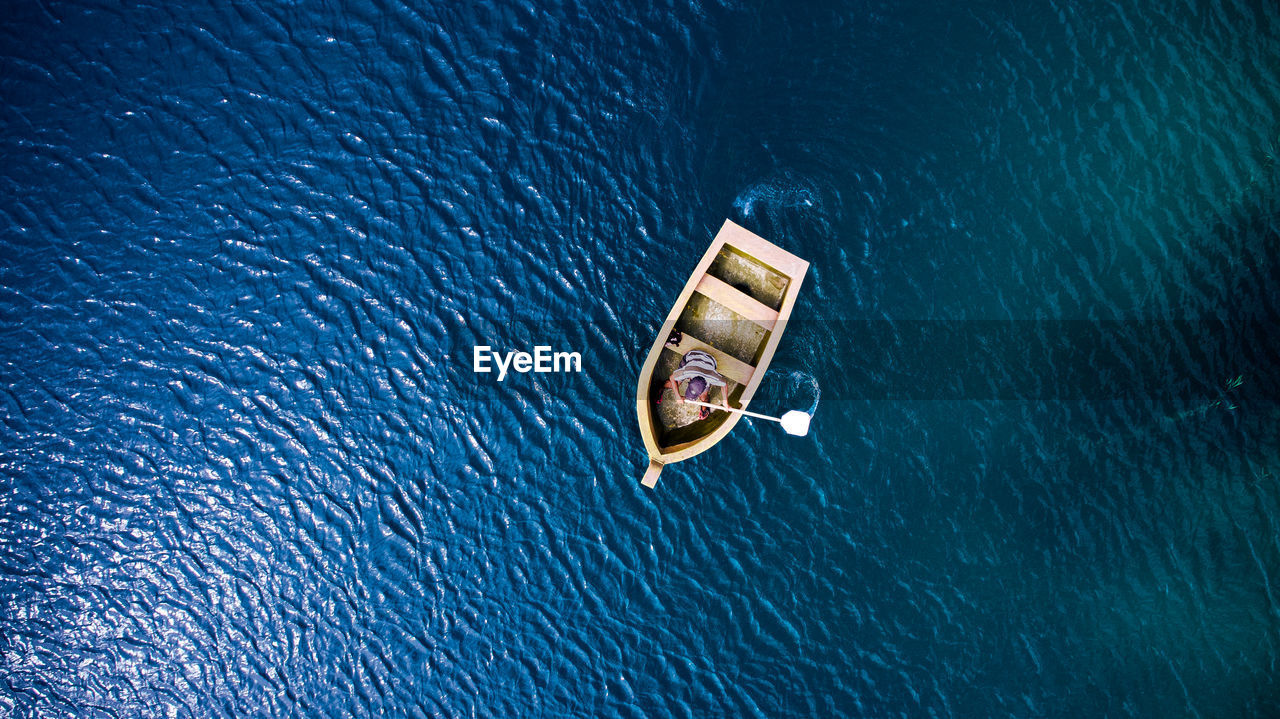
(674, 387)
(724, 397)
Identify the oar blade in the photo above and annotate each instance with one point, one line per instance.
(796, 422)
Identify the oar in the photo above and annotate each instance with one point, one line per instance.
(794, 422)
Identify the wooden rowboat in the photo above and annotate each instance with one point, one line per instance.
(735, 306)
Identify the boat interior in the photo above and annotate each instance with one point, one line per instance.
(731, 315)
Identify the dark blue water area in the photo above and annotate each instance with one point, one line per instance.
(246, 251)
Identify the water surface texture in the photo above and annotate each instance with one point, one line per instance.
(246, 250)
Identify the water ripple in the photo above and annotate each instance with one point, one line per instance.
(246, 469)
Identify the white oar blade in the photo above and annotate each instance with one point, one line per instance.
(796, 422)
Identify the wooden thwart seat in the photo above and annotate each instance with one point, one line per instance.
(771, 255)
(738, 301)
(732, 368)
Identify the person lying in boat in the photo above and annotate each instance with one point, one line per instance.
(698, 371)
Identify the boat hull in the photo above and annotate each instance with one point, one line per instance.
(735, 306)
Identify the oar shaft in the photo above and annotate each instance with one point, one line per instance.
(733, 409)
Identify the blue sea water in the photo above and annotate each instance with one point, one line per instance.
(246, 468)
